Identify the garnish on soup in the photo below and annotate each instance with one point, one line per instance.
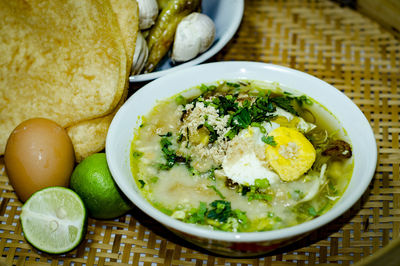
(241, 156)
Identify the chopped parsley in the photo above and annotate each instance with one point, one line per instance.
(226, 104)
(217, 191)
(258, 196)
(299, 194)
(303, 99)
(180, 100)
(220, 210)
(241, 119)
(247, 112)
(261, 109)
(234, 85)
(332, 188)
(269, 140)
(213, 133)
(256, 124)
(169, 154)
(204, 88)
(285, 103)
(137, 154)
(168, 134)
(258, 191)
(197, 216)
(312, 211)
(154, 179)
(219, 214)
(261, 183)
(142, 183)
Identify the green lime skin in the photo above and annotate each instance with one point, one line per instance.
(92, 181)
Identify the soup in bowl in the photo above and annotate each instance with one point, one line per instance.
(241, 158)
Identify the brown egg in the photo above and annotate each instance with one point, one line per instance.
(39, 154)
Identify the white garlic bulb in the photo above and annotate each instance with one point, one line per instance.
(141, 54)
(194, 35)
(148, 12)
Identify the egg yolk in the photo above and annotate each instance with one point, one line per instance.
(293, 154)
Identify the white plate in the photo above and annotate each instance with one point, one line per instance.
(226, 14)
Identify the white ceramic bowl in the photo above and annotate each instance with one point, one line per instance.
(351, 118)
(226, 14)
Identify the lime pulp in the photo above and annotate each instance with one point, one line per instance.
(54, 220)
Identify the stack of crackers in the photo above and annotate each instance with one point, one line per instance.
(68, 61)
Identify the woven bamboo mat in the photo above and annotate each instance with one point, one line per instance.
(333, 43)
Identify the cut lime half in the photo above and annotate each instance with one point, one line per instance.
(54, 220)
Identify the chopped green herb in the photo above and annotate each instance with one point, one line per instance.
(137, 154)
(312, 211)
(258, 191)
(169, 154)
(274, 217)
(211, 173)
(154, 179)
(217, 191)
(240, 215)
(190, 168)
(243, 190)
(213, 133)
(220, 211)
(234, 85)
(284, 103)
(180, 100)
(180, 137)
(216, 101)
(256, 124)
(269, 140)
(246, 104)
(204, 88)
(226, 104)
(258, 196)
(300, 194)
(168, 134)
(261, 183)
(231, 134)
(303, 99)
(198, 215)
(332, 188)
(241, 119)
(142, 183)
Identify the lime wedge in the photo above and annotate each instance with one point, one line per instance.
(54, 220)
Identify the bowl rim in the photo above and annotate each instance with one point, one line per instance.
(215, 48)
(278, 234)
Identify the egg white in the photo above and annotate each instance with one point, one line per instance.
(245, 159)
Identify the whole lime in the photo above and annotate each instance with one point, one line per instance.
(93, 182)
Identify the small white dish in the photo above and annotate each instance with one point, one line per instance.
(226, 14)
(128, 119)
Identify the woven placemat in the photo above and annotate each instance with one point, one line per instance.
(321, 38)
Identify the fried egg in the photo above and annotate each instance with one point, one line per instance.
(248, 158)
(293, 154)
(245, 160)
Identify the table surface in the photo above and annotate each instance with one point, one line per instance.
(333, 43)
